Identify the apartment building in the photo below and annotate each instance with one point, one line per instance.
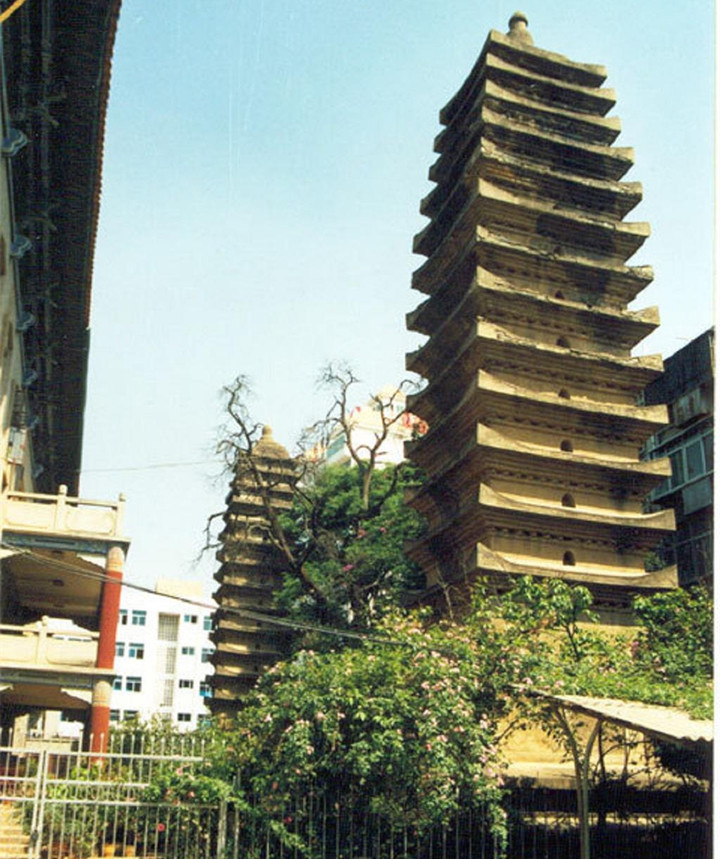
(162, 655)
(687, 387)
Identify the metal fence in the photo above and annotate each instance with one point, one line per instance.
(74, 805)
(77, 805)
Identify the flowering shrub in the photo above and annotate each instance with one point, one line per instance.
(407, 731)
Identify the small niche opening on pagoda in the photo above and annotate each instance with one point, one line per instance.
(568, 500)
(564, 394)
(560, 295)
(568, 559)
(563, 343)
(566, 445)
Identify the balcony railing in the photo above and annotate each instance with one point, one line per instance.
(49, 643)
(29, 512)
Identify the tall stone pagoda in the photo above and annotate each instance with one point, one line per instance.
(251, 567)
(533, 396)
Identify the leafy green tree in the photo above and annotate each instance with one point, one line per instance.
(404, 726)
(342, 541)
(356, 557)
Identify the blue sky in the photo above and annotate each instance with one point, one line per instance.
(264, 163)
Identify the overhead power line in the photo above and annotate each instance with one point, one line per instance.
(247, 614)
(151, 466)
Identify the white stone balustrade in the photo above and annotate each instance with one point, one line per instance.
(60, 514)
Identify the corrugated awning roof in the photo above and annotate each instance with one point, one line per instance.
(663, 723)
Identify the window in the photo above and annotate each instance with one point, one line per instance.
(566, 445)
(186, 684)
(568, 500)
(129, 715)
(690, 461)
(190, 618)
(184, 717)
(117, 684)
(114, 715)
(136, 650)
(167, 658)
(133, 684)
(122, 616)
(168, 627)
(568, 559)
(138, 617)
(187, 651)
(207, 622)
(694, 459)
(207, 652)
(119, 648)
(205, 690)
(168, 693)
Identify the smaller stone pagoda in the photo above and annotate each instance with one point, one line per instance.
(251, 567)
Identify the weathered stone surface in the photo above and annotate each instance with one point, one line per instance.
(533, 395)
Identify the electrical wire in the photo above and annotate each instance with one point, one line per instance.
(247, 614)
(10, 10)
(151, 467)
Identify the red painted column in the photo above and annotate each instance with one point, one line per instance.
(109, 611)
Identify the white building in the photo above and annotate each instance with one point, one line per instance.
(385, 412)
(162, 655)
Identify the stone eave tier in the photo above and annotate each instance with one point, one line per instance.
(568, 123)
(230, 593)
(526, 61)
(249, 502)
(435, 454)
(249, 575)
(540, 265)
(447, 314)
(76, 57)
(617, 586)
(251, 648)
(246, 626)
(488, 345)
(492, 511)
(228, 691)
(488, 399)
(535, 145)
(489, 562)
(489, 161)
(509, 187)
(237, 553)
(517, 216)
(492, 450)
(242, 672)
(239, 600)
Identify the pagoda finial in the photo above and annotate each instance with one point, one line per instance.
(267, 431)
(518, 28)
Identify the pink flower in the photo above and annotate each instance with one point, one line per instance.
(348, 567)
(161, 827)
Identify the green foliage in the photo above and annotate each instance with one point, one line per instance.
(408, 729)
(668, 661)
(354, 553)
(677, 639)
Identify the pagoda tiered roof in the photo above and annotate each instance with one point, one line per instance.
(250, 572)
(532, 392)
